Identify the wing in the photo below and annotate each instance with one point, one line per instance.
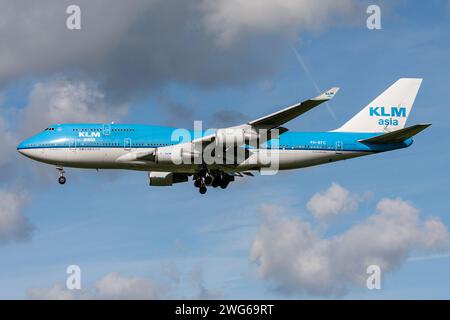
(276, 119)
(279, 118)
(137, 156)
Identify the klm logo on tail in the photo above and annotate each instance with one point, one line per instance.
(394, 112)
(389, 114)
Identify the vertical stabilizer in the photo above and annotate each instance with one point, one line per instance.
(389, 111)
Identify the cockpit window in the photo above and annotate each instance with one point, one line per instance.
(49, 129)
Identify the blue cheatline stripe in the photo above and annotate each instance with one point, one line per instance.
(153, 147)
(81, 147)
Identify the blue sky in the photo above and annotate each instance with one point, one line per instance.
(200, 246)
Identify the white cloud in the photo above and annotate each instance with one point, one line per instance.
(115, 286)
(8, 141)
(38, 39)
(430, 257)
(292, 254)
(57, 100)
(55, 292)
(198, 280)
(231, 19)
(119, 287)
(61, 100)
(121, 44)
(271, 209)
(112, 286)
(14, 226)
(335, 200)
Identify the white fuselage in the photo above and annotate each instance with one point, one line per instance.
(108, 158)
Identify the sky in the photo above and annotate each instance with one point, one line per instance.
(301, 234)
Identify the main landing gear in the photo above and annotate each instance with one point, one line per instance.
(62, 178)
(215, 179)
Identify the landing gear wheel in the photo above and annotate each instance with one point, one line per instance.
(202, 190)
(224, 184)
(198, 183)
(208, 180)
(62, 180)
(224, 181)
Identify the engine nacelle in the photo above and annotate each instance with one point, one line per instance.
(235, 137)
(164, 179)
(175, 155)
(167, 155)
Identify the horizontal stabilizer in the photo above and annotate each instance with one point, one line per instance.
(398, 135)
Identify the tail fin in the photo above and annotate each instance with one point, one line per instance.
(389, 111)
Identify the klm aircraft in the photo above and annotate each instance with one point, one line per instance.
(214, 158)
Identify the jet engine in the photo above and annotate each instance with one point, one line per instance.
(175, 155)
(163, 179)
(235, 137)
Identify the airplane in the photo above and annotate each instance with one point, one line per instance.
(174, 155)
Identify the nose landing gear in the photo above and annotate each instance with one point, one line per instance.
(62, 178)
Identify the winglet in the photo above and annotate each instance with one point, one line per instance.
(327, 95)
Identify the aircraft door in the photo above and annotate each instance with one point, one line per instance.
(73, 144)
(339, 147)
(127, 144)
(106, 129)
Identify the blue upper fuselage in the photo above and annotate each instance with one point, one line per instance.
(145, 136)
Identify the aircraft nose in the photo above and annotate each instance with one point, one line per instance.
(21, 148)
